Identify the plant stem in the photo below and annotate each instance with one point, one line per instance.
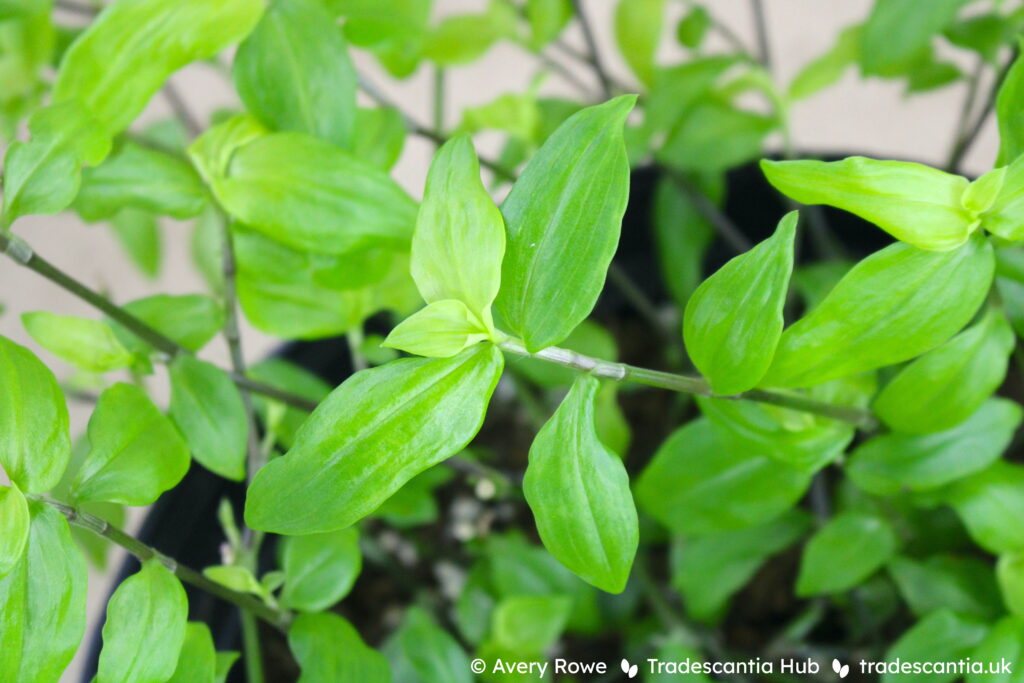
(963, 121)
(965, 141)
(251, 651)
(594, 54)
(21, 253)
(622, 372)
(181, 110)
(277, 618)
(439, 88)
(764, 51)
(76, 8)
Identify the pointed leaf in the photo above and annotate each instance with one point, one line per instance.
(940, 637)
(191, 320)
(371, 435)
(145, 628)
(441, 330)
(135, 452)
(294, 73)
(945, 386)
(892, 306)
(991, 503)
(460, 236)
(42, 600)
(207, 408)
(1004, 642)
(844, 552)
(638, 25)
(89, 345)
(897, 30)
(197, 662)
(963, 584)
(563, 217)
(427, 651)
(734, 320)
(579, 493)
(35, 446)
(1009, 115)
(913, 203)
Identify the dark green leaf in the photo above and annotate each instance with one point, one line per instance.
(890, 463)
(207, 408)
(942, 636)
(579, 493)
(371, 435)
(135, 453)
(320, 569)
(692, 28)
(42, 600)
(734, 320)
(696, 486)
(293, 72)
(139, 177)
(914, 203)
(713, 137)
(145, 627)
(563, 217)
(897, 30)
(328, 650)
(946, 385)
(965, 585)
(284, 420)
(844, 552)
(984, 33)
(892, 306)
(89, 345)
(35, 445)
(139, 234)
(1005, 641)
(707, 571)
(683, 236)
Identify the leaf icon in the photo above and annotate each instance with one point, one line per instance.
(629, 670)
(845, 670)
(835, 665)
(625, 666)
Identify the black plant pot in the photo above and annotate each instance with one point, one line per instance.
(183, 523)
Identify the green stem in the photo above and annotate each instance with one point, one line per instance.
(622, 372)
(439, 88)
(593, 53)
(764, 52)
(251, 648)
(277, 618)
(21, 253)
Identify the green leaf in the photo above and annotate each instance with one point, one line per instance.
(892, 306)
(942, 636)
(1010, 572)
(1004, 218)
(294, 73)
(459, 240)
(42, 600)
(415, 503)
(376, 431)
(284, 420)
(320, 569)
(394, 30)
(890, 463)
(713, 137)
(140, 177)
(139, 234)
(225, 660)
(1005, 641)
(312, 196)
(638, 25)
(127, 53)
(676, 90)
(135, 453)
(42, 176)
(208, 410)
(844, 552)
(548, 18)
(425, 652)
(380, 136)
(589, 339)
(829, 67)
(707, 571)
(14, 526)
(1009, 116)
(734, 320)
(991, 503)
(683, 236)
(328, 649)
(236, 578)
(898, 30)
(946, 385)
(563, 217)
(463, 38)
(197, 662)
(984, 33)
(211, 152)
(441, 330)
(145, 627)
(693, 27)
(529, 624)
(916, 204)
(35, 445)
(963, 584)
(191, 320)
(695, 486)
(89, 345)
(579, 493)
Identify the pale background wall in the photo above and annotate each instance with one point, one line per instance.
(871, 117)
